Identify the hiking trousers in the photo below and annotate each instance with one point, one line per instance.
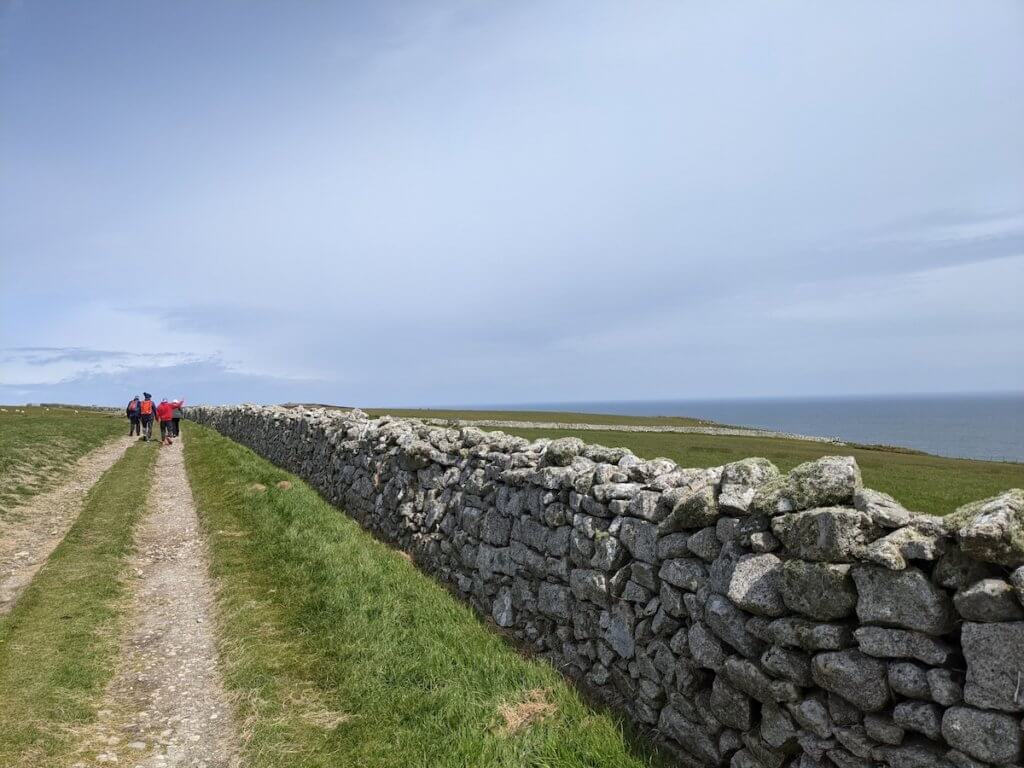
(133, 425)
(147, 427)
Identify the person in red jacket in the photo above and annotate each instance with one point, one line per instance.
(165, 412)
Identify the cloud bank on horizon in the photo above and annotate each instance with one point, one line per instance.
(456, 202)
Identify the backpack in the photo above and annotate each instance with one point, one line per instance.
(146, 407)
(133, 407)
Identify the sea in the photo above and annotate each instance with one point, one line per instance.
(988, 426)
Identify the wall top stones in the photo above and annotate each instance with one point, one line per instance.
(748, 617)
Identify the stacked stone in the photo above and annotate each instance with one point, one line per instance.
(748, 617)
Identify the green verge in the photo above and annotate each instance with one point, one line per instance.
(338, 651)
(36, 445)
(920, 481)
(59, 643)
(561, 417)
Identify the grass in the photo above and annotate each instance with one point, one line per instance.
(38, 444)
(59, 643)
(339, 652)
(561, 417)
(922, 482)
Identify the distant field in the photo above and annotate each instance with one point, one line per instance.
(922, 482)
(570, 417)
(925, 483)
(38, 444)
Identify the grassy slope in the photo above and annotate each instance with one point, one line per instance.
(36, 446)
(922, 482)
(562, 417)
(340, 652)
(58, 645)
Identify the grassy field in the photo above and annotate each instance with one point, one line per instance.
(58, 644)
(562, 417)
(922, 482)
(339, 652)
(36, 446)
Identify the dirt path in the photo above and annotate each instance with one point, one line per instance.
(166, 704)
(40, 524)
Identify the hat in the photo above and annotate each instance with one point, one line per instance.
(136, 398)
(146, 394)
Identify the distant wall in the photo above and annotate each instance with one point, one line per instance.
(751, 618)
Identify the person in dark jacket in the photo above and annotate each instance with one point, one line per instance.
(176, 415)
(132, 412)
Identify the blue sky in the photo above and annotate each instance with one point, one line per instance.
(465, 202)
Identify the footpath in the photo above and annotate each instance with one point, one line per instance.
(39, 525)
(166, 705)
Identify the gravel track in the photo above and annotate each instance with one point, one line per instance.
(166, 705)
(40, 524)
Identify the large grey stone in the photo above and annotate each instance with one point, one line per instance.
(704, 544)
(912, 542)
(674, 545)
(639, 537)
(882, 508)
(988, 736)
(992, 530)
(916, 752)
(561, 452)
(909, 679)
(988, 600)
(777, 727)
(690, 507)
(830, 534)
(822, 591)
(729, 623)
(902, 644)
(995, 665)
(882, 729)
(811, 713)
(495, 528)
(687, 573)
(619, 630)
(904, 599)
(810, 635)
(732, 707)
(755, 583)
(858, 678)
(740, 480)
(946, 686)
(788, 664)
(589, 585)
(553, 600)
(749, 678)
(824, 482)
(919, 716)
(828, 481)
(693, 737)
(705, 647)
(501, 611)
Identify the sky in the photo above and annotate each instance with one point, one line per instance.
(428, 203)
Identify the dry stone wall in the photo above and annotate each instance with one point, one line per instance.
(750, 618)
